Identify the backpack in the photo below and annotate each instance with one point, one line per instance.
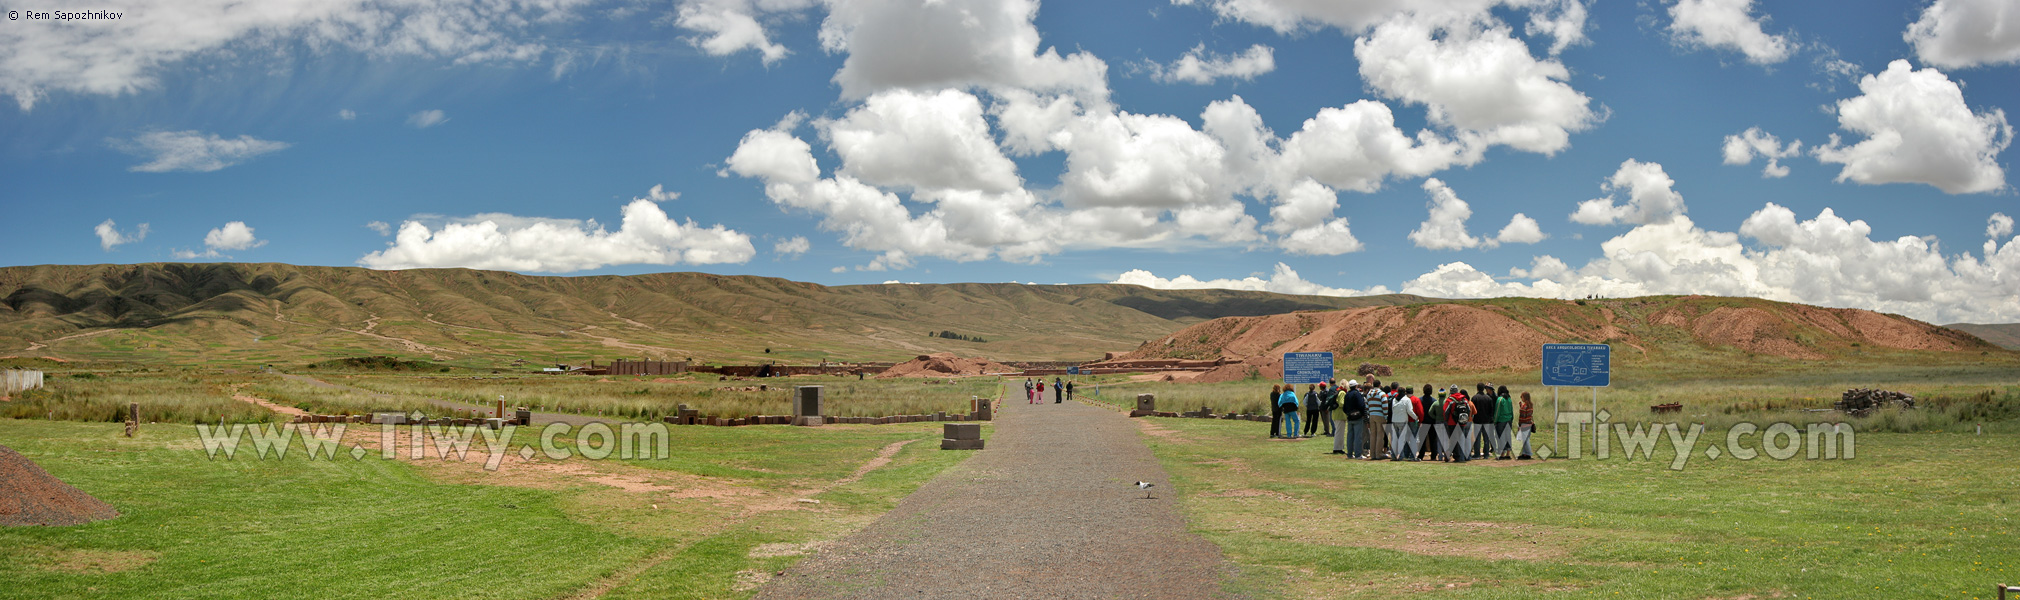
(1357, 410)
(1465, 410)
(1329, 401)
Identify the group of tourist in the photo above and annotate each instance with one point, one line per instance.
(1034, 390)
(1371, 421)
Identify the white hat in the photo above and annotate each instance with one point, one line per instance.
(1353, 382)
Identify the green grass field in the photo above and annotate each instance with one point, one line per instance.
(1911, 516)
(193, 527)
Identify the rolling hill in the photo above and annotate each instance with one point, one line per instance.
(2006, 335)
(210, 313)
(1677, 332)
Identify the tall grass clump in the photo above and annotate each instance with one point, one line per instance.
(163, 398)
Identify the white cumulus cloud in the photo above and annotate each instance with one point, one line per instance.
(192, 150)
(232, 236)
(935, 44)
(1475, 77)
(1284, 280)
(347, 114)
(507, 242)
(1955, 34)
(1826, 261)
(1753, 143)
(1727, 24)
(732, 26)
(1998, 226)
(1919, 130)
(109, 235)
(427, 118)
(792, 247)
(1445, 227)
(1200, 67)
(1650, 199)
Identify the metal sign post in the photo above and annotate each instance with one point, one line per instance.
(1308, 367)
(1577, 365)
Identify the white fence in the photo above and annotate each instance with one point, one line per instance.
(12, 381)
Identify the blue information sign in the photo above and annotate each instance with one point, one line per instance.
(1577, 365)
(1308, 367)
(1073, 370)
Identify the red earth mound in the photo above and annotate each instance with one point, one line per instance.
(1491, 336)
(945, 365)
(31, 496)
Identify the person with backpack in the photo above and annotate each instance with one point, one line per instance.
(1289, 402)
(1276, 410)
(1460, 414)
(1354, 405)
(1526, 422)
(1329, 403)
(1378, 421)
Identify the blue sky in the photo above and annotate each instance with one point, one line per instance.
(1287, 145)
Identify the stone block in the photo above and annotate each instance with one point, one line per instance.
(812, 421)
(389, 419)
(494, 424)
(1146, 402)
(1141, 413)
(807, 400)
(946, 444)
(961, 431)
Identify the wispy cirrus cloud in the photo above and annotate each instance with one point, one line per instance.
(192, 150)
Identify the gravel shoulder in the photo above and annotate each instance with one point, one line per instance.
(1049, 510)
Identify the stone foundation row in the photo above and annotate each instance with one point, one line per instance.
(808, 421)
(1198, 415)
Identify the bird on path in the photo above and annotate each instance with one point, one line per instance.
(1145, 486)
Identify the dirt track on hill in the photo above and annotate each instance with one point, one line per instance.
(1049, 510)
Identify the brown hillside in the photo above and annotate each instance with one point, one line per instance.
(1505, 333)
(276, 313)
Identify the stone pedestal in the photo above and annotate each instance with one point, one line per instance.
(807, 400)
(961, 436)
(1146, 402)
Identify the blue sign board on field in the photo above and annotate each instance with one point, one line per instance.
(1577, 365)
(1308, 367)
(1073, 370)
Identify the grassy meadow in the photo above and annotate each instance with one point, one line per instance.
(1928, 515)
(709, 521)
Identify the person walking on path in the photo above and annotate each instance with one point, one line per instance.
(1276, 411)
(1069, 390)
(1289, 402)
(1526, 420)
(1058, 391)
(1378, 421)
(1030, 392)
(1355, 406)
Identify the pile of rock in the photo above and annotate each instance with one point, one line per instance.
(1379, 370)
(1860, 402)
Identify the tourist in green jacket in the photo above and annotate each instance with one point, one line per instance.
(1504, 419)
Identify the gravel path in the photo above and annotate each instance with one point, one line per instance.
(1049, 510)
